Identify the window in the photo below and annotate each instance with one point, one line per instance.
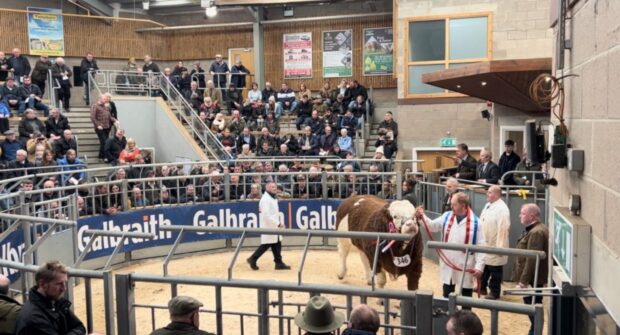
(438, 43)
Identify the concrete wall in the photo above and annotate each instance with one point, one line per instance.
(520, 30)
(594, 123)
(152, 124)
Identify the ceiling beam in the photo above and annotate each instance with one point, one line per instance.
(262, 2)
(98, 7)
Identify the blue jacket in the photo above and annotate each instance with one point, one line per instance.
(9, 150)
(76, 165)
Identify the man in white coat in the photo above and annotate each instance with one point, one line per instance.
(269, 217)
(462, 226)
(495, 220)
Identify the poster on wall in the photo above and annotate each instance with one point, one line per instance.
(297, 55)
(337, 53)
(378, 51)
(45, 32)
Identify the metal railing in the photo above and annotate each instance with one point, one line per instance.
(203, 77)
(53, 85)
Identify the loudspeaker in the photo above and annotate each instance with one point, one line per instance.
(534, 142)
(558, 156)
(77, 76)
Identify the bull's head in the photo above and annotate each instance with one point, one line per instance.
(402, 213)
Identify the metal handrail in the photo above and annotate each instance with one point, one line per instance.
(52, 89)
(209, 76)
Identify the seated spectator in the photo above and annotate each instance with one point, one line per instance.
(32, 95)
(237, 189)
(339, 106)
(37, 142)
(56, 124)
(114, 146)
(5, 114)
(29, 125)
(284, 179)
(234, 98)
(265, 136)
(265, 150)
(300, 190)
(84, 209)
(344, 141)
(246, 138)
(66, 142)
(388, 124)
(343, 89)
(314, 180)
(327, 141)
(349, 122)
(11, 96)
(209, 108)
(47, 162)
(194, 95)
(291, 142)
(308, 143)
(283, 152)
(255, 192)
(374, 180)
(386, 141)
(178, 69)
(236, 124)
(355, 90)
(331, 119)
(4, 66)
(72, 163)
(215, 94)
(10, 146)
(336, 151)
(272, 124)
(285, 97)
(351, 162)
(303, 90)
(189, 196)
(319, 317)
(319, 105)
(315, 123)
(364, 320)
(254, 94)
(226, 138)
(409, 192)
(387, 192)
(201, 124)
(245, 152)
(129, 153)
(9, 307)
(184, 317)
(327, 94)
(19, 165)
(166, 198)
(219, 123)
(270, 107)
(268, 92)
(304, 110)
(464, 322)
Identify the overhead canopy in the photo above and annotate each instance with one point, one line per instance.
(505, 82)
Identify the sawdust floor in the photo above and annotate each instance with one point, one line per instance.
(320, 268)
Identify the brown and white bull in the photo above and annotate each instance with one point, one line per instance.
(367, 213)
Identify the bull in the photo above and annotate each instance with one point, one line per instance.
(367, 213)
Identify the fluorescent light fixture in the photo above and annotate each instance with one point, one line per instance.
(145, 5)
(211, 11)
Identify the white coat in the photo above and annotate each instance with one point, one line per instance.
(495, 219)
(269, 217)
(457, 235)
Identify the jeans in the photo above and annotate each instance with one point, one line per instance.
(294, 106)
(528, 301)
(33, 104)
(300, 121)
(276, 250)
(493, 277)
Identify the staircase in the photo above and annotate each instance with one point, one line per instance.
(381, 107)
(88, 143)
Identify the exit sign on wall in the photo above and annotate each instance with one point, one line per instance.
(571, 246)
(448, 142)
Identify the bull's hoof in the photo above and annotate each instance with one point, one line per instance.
(340, 276)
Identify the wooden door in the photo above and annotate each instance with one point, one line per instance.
(246, 56)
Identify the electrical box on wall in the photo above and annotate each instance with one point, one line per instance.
(576, 160)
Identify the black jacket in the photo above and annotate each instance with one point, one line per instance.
(179, 328)
(62, 146)
(21, 65)
(508, 163)
(113, 147)
(27, 127)
(86, 66)
(57, 127)
(39, 74)
(467, 168)
(490, 173)
(10, 94)
(26, 91)
(58, 73)
(43, 316)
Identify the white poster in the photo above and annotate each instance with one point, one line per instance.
(337, 53)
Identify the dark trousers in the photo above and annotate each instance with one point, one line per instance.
(447, 289)
(41, 85)
(86, 90)
(276, 249)
(64, 95)
(102, 135)
(528, 301)
(492, 277)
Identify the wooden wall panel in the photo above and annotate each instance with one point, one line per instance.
(274, 67)
(203, 43)
(13, 32)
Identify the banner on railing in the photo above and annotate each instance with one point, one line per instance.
(378, 51)
(45, 32)
(12, 251)
(297, 55)
(337, 53)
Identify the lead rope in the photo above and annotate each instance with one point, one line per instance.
(445, 259)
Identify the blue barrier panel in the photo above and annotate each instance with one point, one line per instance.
(13, 250)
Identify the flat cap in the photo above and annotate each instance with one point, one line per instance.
(9, 132)
(183, 305)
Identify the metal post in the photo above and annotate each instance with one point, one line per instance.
(494, 322)
(27, 258)
(89, 304)
(218, 310)
(259, 58)
(124, 196)
(407, 316)
(423, 312)
(126, 314)
(108, 301)
(227, 185)
(263, 311)
(281, 312)
(324, 183)
(463, 272)
(399, 185)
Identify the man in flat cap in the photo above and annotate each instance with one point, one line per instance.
(184, 317)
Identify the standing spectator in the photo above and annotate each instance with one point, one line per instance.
(184, 317)
(130, 152)
(286, 97)
(464, 322)
(184, 82)
(88, 65)
(4, 66)
(219, 70)
(56, 124)
(47, 311)
(149, 65)
(9, 146)
(63, 144)
(178, 69)
(508, 161)
(11, 96)
(32, 95)
(458, 226)
(466, 168)
(388, 124)
(268, 92)
(319, 317)
(238, 73)
(535, 237)
(114, 146)
(19, 65)
(198, 74)
(495, 220)
(269, 217)
(452, 187)
(40, 72)
(29, 125)
(487, 171)
(409, 192)
(102, 120)
(355, 90)
(526, 165)
(364, 320)
(9, 308)
(61, 74)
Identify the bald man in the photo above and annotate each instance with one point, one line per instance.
(9, 308)
(61, 74)
(535, 237)
(495, 220)
(364, 320)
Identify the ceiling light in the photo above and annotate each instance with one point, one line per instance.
(484, 83)
(145, 5)
(211, 11)
(458, 86)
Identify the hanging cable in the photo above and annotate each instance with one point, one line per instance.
(548, 92)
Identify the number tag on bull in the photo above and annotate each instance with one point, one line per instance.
(401, 261)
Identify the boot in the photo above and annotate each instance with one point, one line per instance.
(282, 266)
(252, 263)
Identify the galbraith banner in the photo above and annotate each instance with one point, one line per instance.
(296, 214)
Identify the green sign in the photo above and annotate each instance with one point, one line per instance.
(448, 142)
(563, 243)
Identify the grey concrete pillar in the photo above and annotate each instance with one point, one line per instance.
(259, 50)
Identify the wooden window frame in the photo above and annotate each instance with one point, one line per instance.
(446, 61)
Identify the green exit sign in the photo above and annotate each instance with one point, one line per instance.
(571, 246)
(448, 142)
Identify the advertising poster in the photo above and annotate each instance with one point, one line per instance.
(378, 51)
(337, 53)
(297, 55)
(45, 32)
